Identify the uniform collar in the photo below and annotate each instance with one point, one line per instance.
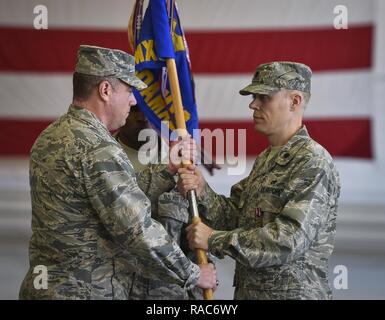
(85, 115)
(285, 155)
(290, 149)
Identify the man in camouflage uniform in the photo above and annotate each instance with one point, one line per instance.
(91, 217)
(279, 222)
(171, 210)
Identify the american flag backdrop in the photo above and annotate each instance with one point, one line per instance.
(227, 40)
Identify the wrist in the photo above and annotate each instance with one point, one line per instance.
(209, 238)
(172, 169)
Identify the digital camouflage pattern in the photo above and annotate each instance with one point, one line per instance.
(172, 213)
(171, 210)
(91, 218)
(274, 76)
(279, 223)
(105, 62)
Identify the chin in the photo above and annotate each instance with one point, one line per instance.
(258, 128)
(116, 127)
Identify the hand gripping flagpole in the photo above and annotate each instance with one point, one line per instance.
(181, 126)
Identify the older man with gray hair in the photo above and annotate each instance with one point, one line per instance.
(91, 217)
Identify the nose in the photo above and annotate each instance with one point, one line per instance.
(133, 100)
(255, 104)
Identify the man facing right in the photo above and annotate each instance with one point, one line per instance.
(279, 222)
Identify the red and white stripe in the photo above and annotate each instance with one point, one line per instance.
(227, 40)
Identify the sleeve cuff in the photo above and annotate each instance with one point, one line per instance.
(217, 243)
(166, 176)
(207, 196)
(192, 280)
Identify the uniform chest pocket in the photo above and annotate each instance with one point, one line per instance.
(271, 203)
(251, 215)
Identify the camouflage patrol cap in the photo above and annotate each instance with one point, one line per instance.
(274, 76)
(105, 62)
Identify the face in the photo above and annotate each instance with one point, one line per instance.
(271, 112)
(121, 100)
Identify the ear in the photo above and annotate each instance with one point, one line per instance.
(105, 90)
(296, 100)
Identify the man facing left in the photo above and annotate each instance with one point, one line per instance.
(91, 218)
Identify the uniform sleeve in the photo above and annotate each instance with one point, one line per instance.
(125, 211)
(155, 180)
(290, 234)
(174, 216)
(173, 213)
(221, 212)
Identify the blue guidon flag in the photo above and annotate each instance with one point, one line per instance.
(155, 38)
